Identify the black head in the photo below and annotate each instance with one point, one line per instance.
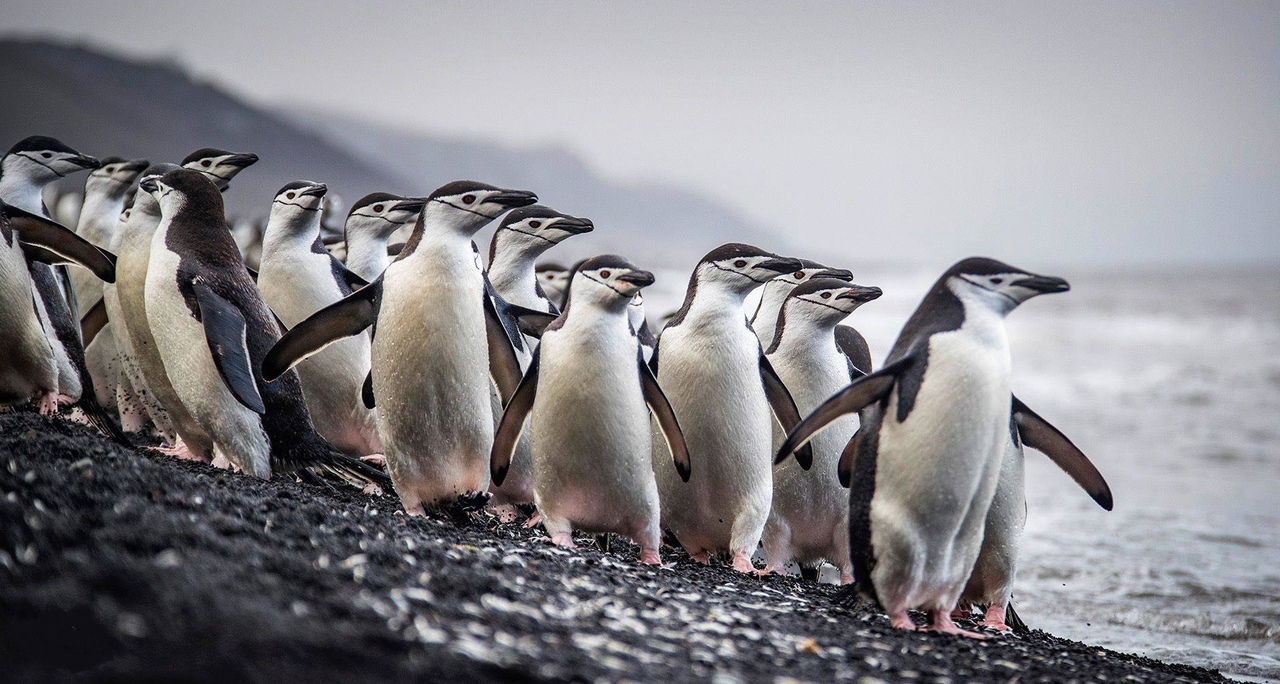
(608, 280)
(467, 206)
(219, 165)
(43, 159)
(742, 267)
(997, 284)
(184, 189)
(535, 229)
(300, 195)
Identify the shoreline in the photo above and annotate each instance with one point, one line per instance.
(120, 565)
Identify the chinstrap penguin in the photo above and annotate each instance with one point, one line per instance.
(775, 292)
(372, 221)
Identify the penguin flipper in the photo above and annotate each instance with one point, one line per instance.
(512, 423)
(52, 243)
(350, 277)
(857, 396)
(854, 347)
(366, 392)
(666, 417)
(1039, 434)
(844, 469)
(784, 407)
(504, 367)
(343, 318)
(531, 321)
(224, 331)
(93, 321)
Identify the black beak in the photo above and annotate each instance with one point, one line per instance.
(414, 204)
(640, 278)
(85, 161)
(512, 198)
(782, 264)
(861, 293)
(135, 165)
(240, 161)
(1043, 284)
(575, 226)
(148, 185)
(317, 190)
(837, 273)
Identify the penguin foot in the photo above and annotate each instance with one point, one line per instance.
(564, 540)
(506, 513)
(846, 577)
(703, 557)
(181, 451)
(650, 557)
(472, 501)
(962, 611)
(533, 521)
(742, 563)
(940, 622)
(994, 620)
(49, 404)
(375, 459)
(220, 460)
(901, 620)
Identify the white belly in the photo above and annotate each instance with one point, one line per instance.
(28, 369)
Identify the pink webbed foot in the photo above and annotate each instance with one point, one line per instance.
(994, 619)
(564, 540)
(180, 451)
(533, 521)
(742, 563)
(846, 577)
(940, 622)
(962, 611)
(375, 459)
(507, 513)
(703, 557)
(900, 620)
(650, 557)
(49, 404)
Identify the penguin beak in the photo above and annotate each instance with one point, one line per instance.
(782, 264)
(240, 161)
(1043, 284)
(414, 204)
(837, 273)
(85, 161)
(575, 226)
(637, 278)
(512, 198)
(135, 165)
(317, 190)
(861, 293)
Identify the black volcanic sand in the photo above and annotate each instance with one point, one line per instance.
(119, 565)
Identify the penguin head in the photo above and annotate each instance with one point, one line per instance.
(826, 301)
(553, 277)
(464, 207)
(534, 229)
(776, 290)
(607, 281)
(115, 175)
(380, 214)
(997, 285)
(184, 188)
(143, 201)
(41, 159)
(219, 166)
(296, 206)
(741, 268)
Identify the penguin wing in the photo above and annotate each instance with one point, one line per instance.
(844, 469)
(666, 417)
(93, 321)
(343, 318)
(1039, 434)
(645, 335)
(512, 423)
(366, 391)
(858, 395)
(224, 331)
(854, 347)
(394, 250)
(253, 273)
(52, 243)
(503, 340)
(784, 407)
(353, 281)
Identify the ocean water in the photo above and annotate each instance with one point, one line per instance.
(1170, 382)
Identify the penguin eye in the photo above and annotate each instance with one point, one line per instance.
(799, 275)
(535, 224)
(468, 199)
(205, 163)
(289, 195)
(46, 155)
(605, 274)
(377, 208)
(740, 263)
(997, 281)
(826, 295)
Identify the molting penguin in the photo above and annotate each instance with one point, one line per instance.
(722, 387)
(932, 441)
(432, 355)
(809, 518)
(775, 292)
(590, 395)
(299, 277)
(372, 221)
(212, 329)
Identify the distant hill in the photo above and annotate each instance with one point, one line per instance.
(104, 104)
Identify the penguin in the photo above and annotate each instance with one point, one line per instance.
(28, 369)
(298, 277)
(372, 220)
(553, 278)
(432, 354)
(212, 329)
(809, 519)
(218, 165)
(711, 366)
(990, 585)
(587, 397)
(25, 170)
(932, 442)
(775, 292)
(523, 236)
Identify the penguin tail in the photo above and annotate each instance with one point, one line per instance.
(1015, 622)
(353, 471)
(99, 418)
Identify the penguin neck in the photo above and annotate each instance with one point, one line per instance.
(803, 337)
(716, 304)
(511, 272)
(772, 297)
(144, 218)
(367, 253)
(431, 245)
(17, 190)
(289, 230)
(100, 212)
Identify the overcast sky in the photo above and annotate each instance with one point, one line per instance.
(1037, 132)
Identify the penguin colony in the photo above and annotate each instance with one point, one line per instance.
(533, 388)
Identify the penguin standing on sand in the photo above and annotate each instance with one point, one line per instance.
(723, 389)
(775, 292)
(590, 395)
(437, 339)
(298, 277)
(809, 518)
(372, 221)
(932, 443)
(212, 329)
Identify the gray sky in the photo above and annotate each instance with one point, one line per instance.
(1037, 132)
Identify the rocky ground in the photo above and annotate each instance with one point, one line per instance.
(119, 565)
